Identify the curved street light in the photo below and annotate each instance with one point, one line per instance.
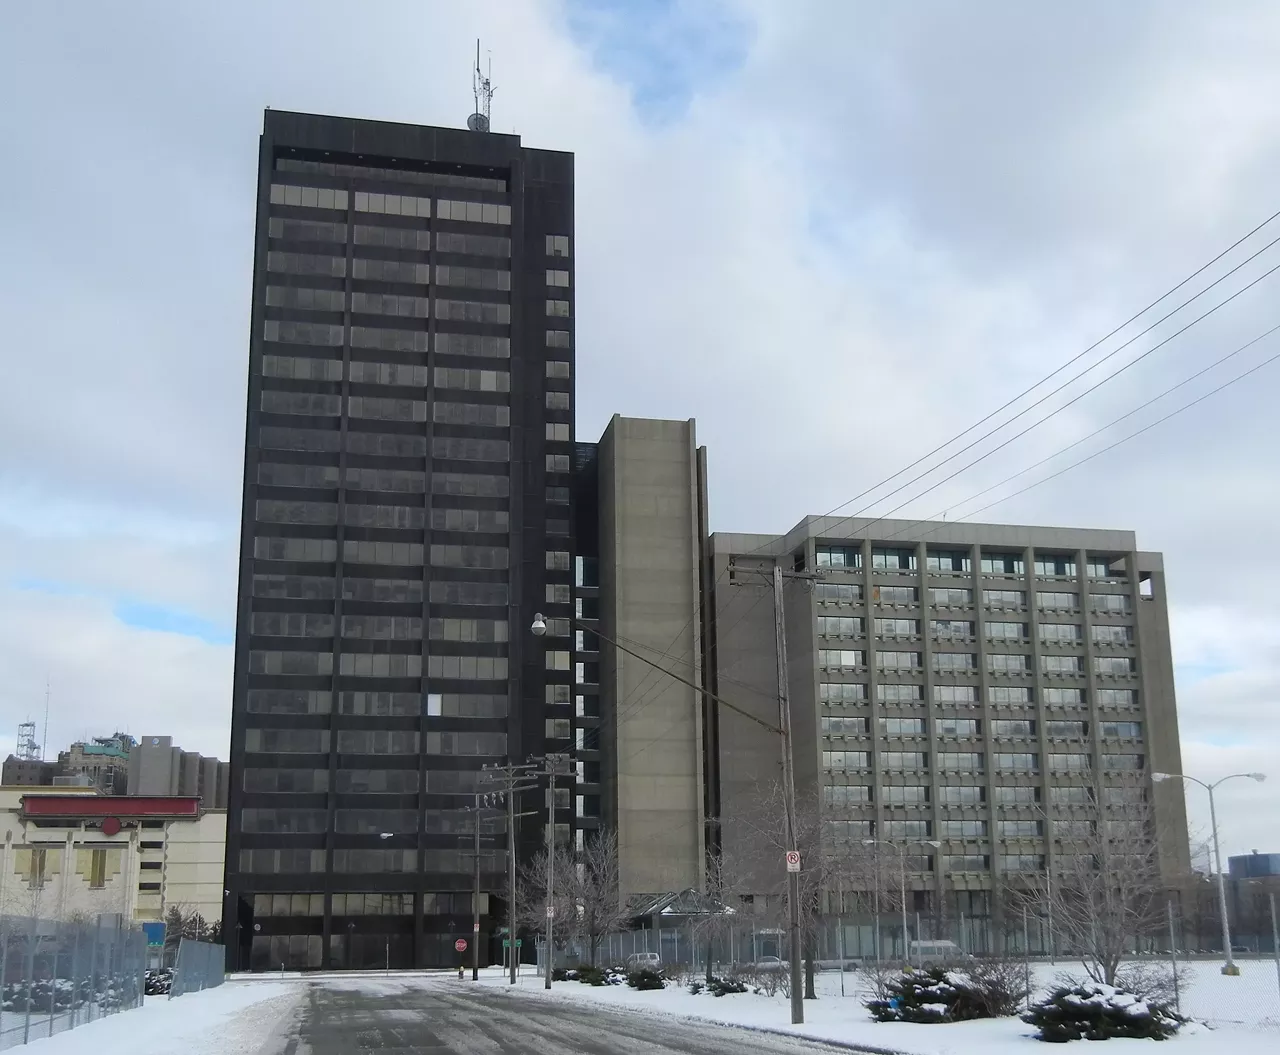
(902, 879)
(1230, 966)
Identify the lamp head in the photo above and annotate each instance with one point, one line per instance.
(385, 835)
(1163, 776)
(1259, 777)
(932, 842)
(539, 626)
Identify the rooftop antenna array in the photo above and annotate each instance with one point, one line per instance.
(482, 89)
(28, 750)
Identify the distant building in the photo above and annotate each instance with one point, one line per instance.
(102, 762)
(27, 772)
(157, 767)
(1254, 866)
(74, 851)
(1253, 883)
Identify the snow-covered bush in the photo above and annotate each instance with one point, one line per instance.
(725, 986)
(1093, 1011)
(939, 994)
(646, 978)
(158, 981)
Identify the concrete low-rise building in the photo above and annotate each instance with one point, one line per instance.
(975, 697)
(72, 852)
(158, 767)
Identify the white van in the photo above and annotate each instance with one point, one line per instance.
(640, 960)
(932, 952)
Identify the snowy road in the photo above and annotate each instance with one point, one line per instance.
(408, 1020)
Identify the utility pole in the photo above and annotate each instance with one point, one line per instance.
(512, 779)
(789, 793)
(475, 903)
(551, 870)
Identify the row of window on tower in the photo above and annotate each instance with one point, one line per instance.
(853, 693)
(953, 560)
(965, 629)
(996, 662)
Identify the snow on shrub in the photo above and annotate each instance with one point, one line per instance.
(1093, 1011)
(939, 994)
(646, 978)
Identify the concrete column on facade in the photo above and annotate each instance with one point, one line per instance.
(925, 615)
(1091, 680)
(874, 709)
(1038, 689)
(988, 811)
(130, 872)
(6, 865)
(68, 872)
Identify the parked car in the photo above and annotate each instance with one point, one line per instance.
(1241, 949)
(929, 952)
(638, 961)
(769, 963)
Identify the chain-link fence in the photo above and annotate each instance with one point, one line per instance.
(199, 966)
(56, 976)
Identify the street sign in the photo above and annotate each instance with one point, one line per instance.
(551, 911)
(460, 945)
(155, 934)
(506, 943)
(793, 860)
(475, 928)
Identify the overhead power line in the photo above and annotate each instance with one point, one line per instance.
(1110, 447)
(1110, 424)
(1074, 359)
(1057, 410)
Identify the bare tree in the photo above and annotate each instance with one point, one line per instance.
(586, 900)
(758, 834)
(1105, 892)
(531, 896)
(728, 885)
(593, 885)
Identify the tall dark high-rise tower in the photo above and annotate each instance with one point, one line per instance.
(406, 511)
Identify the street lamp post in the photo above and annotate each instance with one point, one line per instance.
(539, 629)
(902, 881)
(1230, 966)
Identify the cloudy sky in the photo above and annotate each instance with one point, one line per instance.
(835, 233)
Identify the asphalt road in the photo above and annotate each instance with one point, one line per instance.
(435, 1021)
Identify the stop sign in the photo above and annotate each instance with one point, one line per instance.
(460, 945)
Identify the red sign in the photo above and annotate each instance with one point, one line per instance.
(111, 826)
(85, 806)
(460, 945)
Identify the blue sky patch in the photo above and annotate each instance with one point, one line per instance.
(140, 615)
(1187, 674)
(664, 51)
(143, 616)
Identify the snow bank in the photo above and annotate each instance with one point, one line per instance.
(844, 1019)
(235, 1018)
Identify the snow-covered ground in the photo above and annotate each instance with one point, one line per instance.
(243, 1016)
(1245, 1013)
(234, 1019)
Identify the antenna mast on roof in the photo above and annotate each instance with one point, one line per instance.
(482, 89)
(27, 748)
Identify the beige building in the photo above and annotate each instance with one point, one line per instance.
(975, 695)
(652, 506)
(71, 852)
